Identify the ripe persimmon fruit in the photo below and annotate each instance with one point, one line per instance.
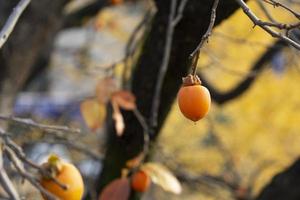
(193, 98)
(116, 2)
(140, 181)
(67, 174)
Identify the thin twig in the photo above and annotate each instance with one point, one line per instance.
(6, 182)
(20, 168)
(265, 10)
(12, 20)
(21, 155)
(145, 126)
(44, 127)
(265, 26)
(196, 53)
(133, 43)
(278, 4)
(172, 22)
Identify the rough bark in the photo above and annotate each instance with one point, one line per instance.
(187, 35)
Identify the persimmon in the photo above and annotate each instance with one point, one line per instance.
(140, 181)
(67, 174)
(193, 98)
(116, 2)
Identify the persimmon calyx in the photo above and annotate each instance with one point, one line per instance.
(190, 80)
(53, 166)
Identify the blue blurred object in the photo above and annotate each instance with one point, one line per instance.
(39, 152)
(278, 63)
(45, 106)
(90, 168)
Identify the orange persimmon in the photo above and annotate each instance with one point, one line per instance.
(140, 181)
(116, 2)
(65, 173)
(193, 98)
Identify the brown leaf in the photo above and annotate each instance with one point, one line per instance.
(118, 189)
(124, 99)
(104, 89)
(117, 116)
(163, 177)
(93, 113)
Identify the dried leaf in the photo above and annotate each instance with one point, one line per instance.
(119, 121)
(136, 161)
(118, 189)
(93, 113)
(124, 99)
(163, 177)
(104, 89)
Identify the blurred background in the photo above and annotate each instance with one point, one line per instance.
(231, 154)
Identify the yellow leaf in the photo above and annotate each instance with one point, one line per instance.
(93, 113)
(124, 99)
(163, 177)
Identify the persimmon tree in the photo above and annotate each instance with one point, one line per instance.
(175, 32)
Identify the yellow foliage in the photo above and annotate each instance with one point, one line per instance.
(260, 126)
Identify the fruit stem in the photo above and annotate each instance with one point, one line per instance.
(190, 80)
(195, 59)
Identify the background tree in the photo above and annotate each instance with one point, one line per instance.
(171, 36)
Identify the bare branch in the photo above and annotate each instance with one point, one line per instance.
(21, 155)
(20, 168)
(6, 182)
(44, 127)
(173, 21)
(196, 53)
(266, 25)
(278, 4)
(134, 41)
(145, 126)
(12, 20)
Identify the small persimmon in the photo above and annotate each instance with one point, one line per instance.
(140, 181)
(67, 174)
(193, 98)
(116, 2)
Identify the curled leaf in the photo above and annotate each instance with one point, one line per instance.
(163, 177)
(124, 99)
(93, 113)
(118, 118)
(118, 189)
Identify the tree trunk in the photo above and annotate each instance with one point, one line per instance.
(32, 37)
(284, 185)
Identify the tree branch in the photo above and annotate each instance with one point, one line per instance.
(266, 25)
(12, 20)
(240, 88)
(174, 19)
(196, 53)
